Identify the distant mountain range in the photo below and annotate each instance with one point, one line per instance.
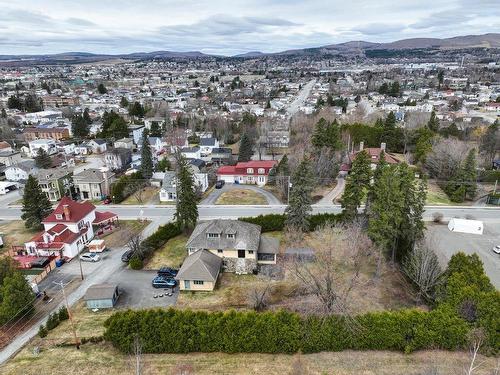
(491, 40)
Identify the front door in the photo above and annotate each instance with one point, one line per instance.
(241, 253)
(187, 284)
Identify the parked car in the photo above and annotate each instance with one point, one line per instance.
(90, 257)
(167, 272)
(163, 282)
(107, 200)
(219, 184)
(496, 249)
(127, 255)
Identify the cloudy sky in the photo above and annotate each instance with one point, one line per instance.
(229, 27)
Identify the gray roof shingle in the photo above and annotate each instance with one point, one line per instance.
(202, 265)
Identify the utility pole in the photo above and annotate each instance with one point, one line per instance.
(73, 328)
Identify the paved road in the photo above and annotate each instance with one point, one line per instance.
(216, 193)
(334, 193)
(101, 272)
(302, 96)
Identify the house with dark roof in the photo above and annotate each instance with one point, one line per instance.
(55, 183)
(240, 244)
(68, 229)
(93, 183)
(98, 146)
(207, 145)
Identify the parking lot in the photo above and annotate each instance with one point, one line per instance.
(447, 243)
(134, 286)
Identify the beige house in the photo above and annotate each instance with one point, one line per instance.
(240, 244)
(93, 184)
(199, 272)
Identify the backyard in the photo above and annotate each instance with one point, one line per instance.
(14, 233)
(171, 255)
(241, 196)
(127, 228)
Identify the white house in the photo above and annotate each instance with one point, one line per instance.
(207, 145)
(136, 133)
(191, 152)
(7, 186)
(156, 144)
(168, 191)
(20, 171)
(49, 145)
(98, 146)
(67, 229)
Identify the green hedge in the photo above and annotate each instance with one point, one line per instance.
(184, 331)
(160, 237)
(276, 222)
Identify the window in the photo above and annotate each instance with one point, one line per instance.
(198, 282)
(262, 171)
(230, 235)
(213, 235)
(250, 252)
(58, 216)
(220, 251)
(249, 170)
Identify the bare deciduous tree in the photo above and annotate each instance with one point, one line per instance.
(476, 339)
(136, 355)
(422, 267)
(258, 297)
(299, 367)
(134, 244)
(446, 157)
(339, 256)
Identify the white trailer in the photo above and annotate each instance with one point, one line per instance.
(466, 226)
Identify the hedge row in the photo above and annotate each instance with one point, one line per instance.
(184, 331)
(276, 222)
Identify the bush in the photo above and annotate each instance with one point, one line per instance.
(124, 186)
(437, 217)
(136, 263)
(42, 331)
(52, 321)
(276, 222)
(63, 314)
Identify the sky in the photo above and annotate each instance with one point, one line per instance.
(230, 27)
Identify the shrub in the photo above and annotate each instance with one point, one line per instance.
(52, 321)
(159, 238)
(63, 314)
(42, 331)
(437, 217)
(276, 222)
(136, 263)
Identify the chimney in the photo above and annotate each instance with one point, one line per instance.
(66, 212)
(361, 145)
(382, 146)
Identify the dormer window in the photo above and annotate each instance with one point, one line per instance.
(58, 216)
(262, 171)
(230, 235)
(249, 170)
(213, 235)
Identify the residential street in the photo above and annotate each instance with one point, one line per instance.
(301, 98)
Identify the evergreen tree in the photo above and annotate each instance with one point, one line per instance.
(283, 167)
(42, 159)
(124, 102)
(146, 157)
(386, 210)
(357, 183)
(186, 209)
(101, 89)
(36, 205)
(86, 116)
(327, 135)
(163, 165)
(433, 123)
(79, 126)
(4, 113)
(490, 141)
(17, 297)
(136, 109)
(470, 174)
(395, 89)
(423, 144)
(245, 152)
(155, 129)
(118, 129)
(382, 163)
(299, 207)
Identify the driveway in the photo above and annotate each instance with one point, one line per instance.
(448, 243)
(335, 193)
(216, 193)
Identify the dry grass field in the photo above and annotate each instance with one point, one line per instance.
(241, 196)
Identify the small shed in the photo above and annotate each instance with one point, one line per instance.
(96, 246)
(466, 226)
(101, 296)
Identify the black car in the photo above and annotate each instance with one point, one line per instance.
(163, 282)
(219, 184)
(167, 272)
(127, 255)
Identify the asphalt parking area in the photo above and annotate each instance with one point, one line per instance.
(136, 290)
(447, 243)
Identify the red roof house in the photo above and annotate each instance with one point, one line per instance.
(250, 172)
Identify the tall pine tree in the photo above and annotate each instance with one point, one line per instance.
(470, 174)
(186, 209)
(433, 123)
(299, 207)
(42, 159)
(146, 157)
(17, 297)
(246, 146)
(36, 205)
(357, 183)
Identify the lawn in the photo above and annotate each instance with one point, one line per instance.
(102, 359)
(14, 233)
(147, 195)
(127, 228)
(171, 255)
(241, 196)
(436, 196)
